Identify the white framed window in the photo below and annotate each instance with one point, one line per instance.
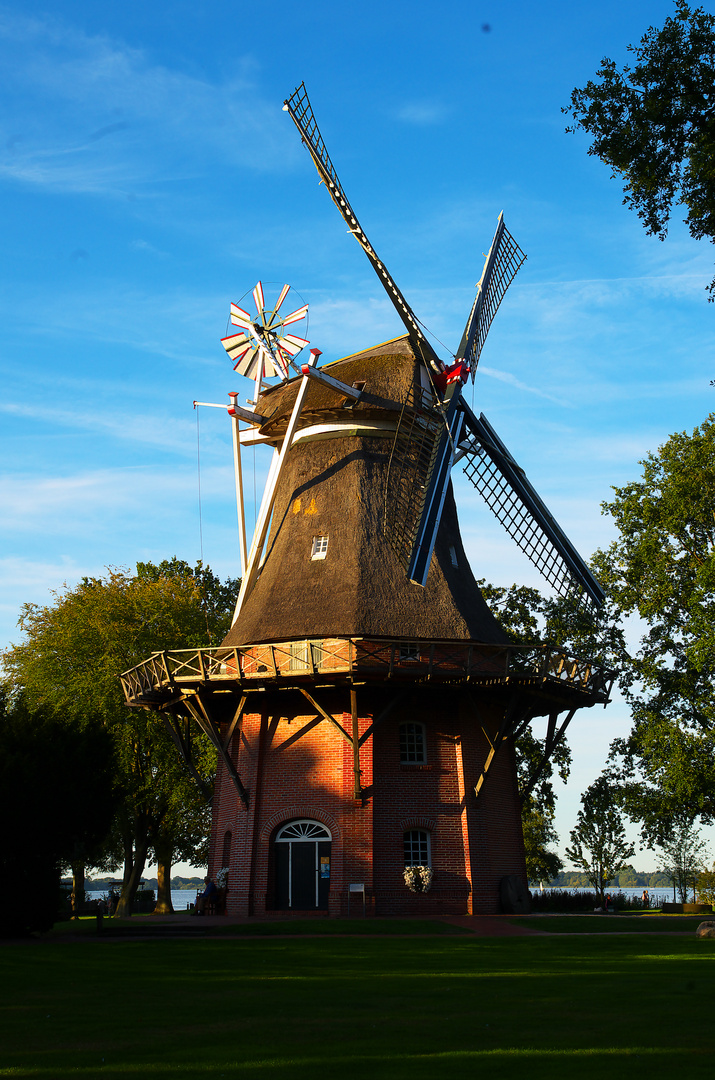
(409, 652)
(412, 744)
(417, 847)
(320, 547)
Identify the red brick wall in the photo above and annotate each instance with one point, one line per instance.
(295, 765)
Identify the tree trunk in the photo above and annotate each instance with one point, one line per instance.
(132, 881)
(78, 894)
(164, 855)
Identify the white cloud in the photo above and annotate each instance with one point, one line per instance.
(421, 113)
(92, 106)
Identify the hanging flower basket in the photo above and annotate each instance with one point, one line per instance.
(418, 878)
(222, 878)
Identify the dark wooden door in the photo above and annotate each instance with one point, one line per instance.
(304, 869)
(282, 853)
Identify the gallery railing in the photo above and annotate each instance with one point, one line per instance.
(351, 659)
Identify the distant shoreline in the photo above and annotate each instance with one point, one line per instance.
(178, 884)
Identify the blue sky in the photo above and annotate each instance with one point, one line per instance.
(149, 177)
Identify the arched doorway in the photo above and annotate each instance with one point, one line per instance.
(302, 862)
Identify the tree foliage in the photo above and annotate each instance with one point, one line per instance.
(57, 797)
(682, 855)
(530, 618)
(661, 568)
(70, 660)
(653, 122)
(598, 841)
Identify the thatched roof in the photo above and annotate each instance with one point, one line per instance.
(336, 488)
(388, 372)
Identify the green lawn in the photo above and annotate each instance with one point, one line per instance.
(379, 1008)
(650, 923)
(149, 926)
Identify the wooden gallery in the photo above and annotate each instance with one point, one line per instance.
(365, 703)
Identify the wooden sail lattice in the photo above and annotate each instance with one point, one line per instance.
(500, 268)
(412, 462)
(519, 509)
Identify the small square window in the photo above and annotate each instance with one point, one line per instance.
(409, 652)
(320, 547)
(412, 744)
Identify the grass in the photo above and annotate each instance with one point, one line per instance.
(387, 1008)
(149, 926)
(644, 923)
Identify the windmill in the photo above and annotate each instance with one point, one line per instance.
(365, 693)
(437, 429)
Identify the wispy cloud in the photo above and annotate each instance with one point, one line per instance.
(81, 92)
(421, 113)
(508, 377)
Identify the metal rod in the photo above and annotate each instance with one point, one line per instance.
(238, 473)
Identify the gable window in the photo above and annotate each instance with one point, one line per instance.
(409, 652)
(320, 547)
(453, 556)
(412, 744)
(417, 847)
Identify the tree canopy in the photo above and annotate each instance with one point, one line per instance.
(69, 662)
(598, 841)
(661, 568)
(530, 618)
(653, 122)
(57, 797)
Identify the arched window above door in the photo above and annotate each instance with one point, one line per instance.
(303, 830)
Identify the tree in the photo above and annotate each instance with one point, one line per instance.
(653, 122)
(70, 661)
(598, 842)
(681, 855)
(705, 886)
(56, 799)
(662, 568)
(530, 618)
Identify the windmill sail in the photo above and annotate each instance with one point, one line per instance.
(517, 506)
(298, 105)
(501, 266)
(415, 481)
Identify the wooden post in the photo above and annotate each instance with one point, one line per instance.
(357, 771)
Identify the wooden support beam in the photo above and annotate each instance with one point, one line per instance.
(232, 726)
(506, 728)
(395, 700)
(172, 721)
(325, 715)
(327, 380)
(210, 728)
(357, 771)
(554, 736)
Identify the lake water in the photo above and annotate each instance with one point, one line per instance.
(179, 897)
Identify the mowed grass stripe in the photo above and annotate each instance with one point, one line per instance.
(391, 1007)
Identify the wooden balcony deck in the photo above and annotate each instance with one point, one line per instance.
(340, 661)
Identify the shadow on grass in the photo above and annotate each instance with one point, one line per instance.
(387, 1008)
(162, 927)
(611, 924)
